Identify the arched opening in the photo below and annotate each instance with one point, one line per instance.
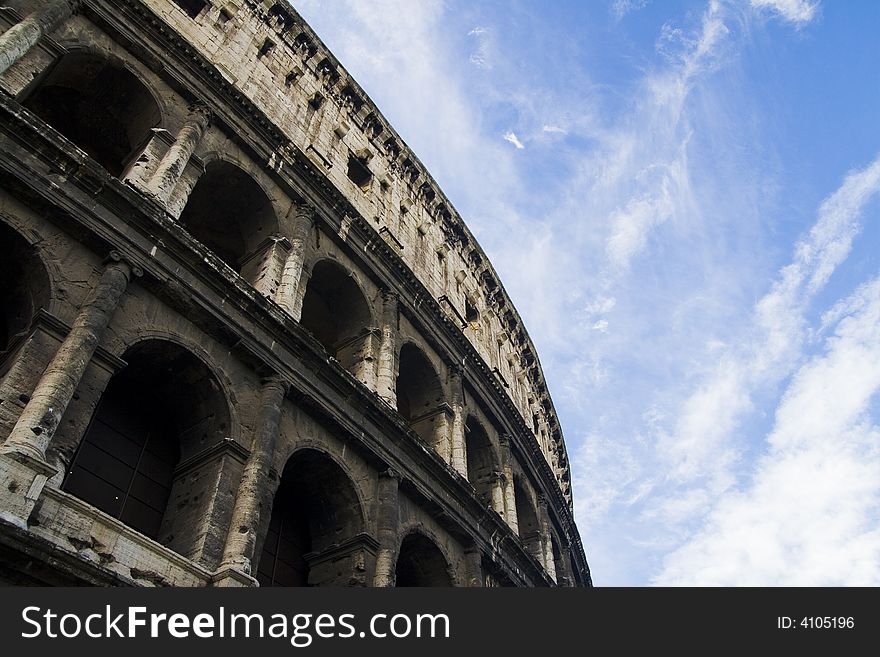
(421, 563)
(482, 468)
(164, 407)
(316, 508)
(230, 214)
(24, 289)
(527, 520)
(560, 563)
(98, 105)
(419, 393)
(335, 311)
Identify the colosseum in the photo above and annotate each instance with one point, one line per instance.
(246, 339)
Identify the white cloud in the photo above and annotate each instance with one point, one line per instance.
(601, 326)
(482, 57)
(648, 159)
(601, 305)
(799, 12)
(620, 8)
(513, 139)
(701, 442)
(553, 129)
(811, 514)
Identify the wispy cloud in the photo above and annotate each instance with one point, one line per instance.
(553, 129)
(686, 464)
(513, 139)
(799, 12)
(620, 8)
(482, 56)
(809, 516)
(701, 442)
(648, 156)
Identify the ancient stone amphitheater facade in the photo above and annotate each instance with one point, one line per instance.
(245, 337)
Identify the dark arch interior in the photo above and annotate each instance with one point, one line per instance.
(335, 311)
(316, 506)
(418, 391)
(99, 106)
(527, 520)
(481, 466)
(421, 563)
(162, 408)
(230, 213)
(559, 562)
(24, 288)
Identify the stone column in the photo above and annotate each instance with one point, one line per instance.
(546, 538)
(172, 164)
(386, 379)
(36, 426)
(498, 502)
(507, 483)
(456, 430)
(254, 498)
(474, 566)
(387, 528)
(17, 40)
(442, 431)
(287, 293)
(263, 268)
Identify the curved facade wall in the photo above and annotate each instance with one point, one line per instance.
(246, 338)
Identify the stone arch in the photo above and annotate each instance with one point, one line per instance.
(483, 465)
(317, 519)
(25, 287)
(192, 345)
(99, 104)
(420, 394)
(560, 562)
(231, 214)
(421, 562)
(336, 312)
(131, 462)
(527, 519)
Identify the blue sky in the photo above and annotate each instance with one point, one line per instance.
(681, 197)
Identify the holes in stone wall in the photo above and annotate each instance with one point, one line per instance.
(291, 78)
(192, 7)
(471, 314)
(266, 49)
(281, 16)
(224, 16)
(358, 172)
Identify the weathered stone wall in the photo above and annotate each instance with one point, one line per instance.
(311, 98)
(240, 317)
